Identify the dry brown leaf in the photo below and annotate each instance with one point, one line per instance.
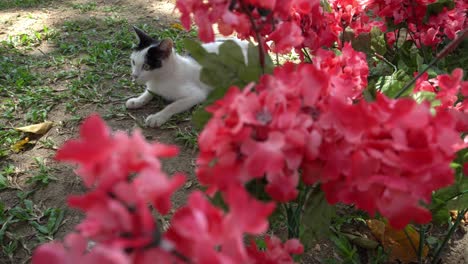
(19, 146)
(39, 129)
(396, 241)
(188, 184)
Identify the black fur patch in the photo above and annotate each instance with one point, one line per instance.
(144, 40)
(154, 57)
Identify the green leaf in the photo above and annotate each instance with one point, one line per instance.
(408, 55)
(55, 220)
(438, 6)
(426, 96)
(200, 117)
(253, 71)
(391, 85)
(20, 213)
(261, 244)
(454, 197)
(196, 50)
(441, 214)
(224, 70)
(5, 226)
(345, 249)
(458, 203)
(377, 42)
(3, 182)
(29, 205)
(42, 229)
(326, 6)
(316, 218)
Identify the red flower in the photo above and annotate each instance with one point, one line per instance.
(94, 146)
(74, 251)
(276, 252)
(286, 36)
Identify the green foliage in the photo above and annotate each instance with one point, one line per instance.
(22, 3)
(43, 177)
(454, 197)
(187, 136)
(316, 218)
(377, 42)
(426, 96)
(85, 7)
(456, 59)
(392, 84)
(438, 6)
(346, 251)
(224, 70)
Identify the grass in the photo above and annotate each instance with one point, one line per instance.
(85, 7)
(4, 4)
(187, 136)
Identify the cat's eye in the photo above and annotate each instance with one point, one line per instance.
(133, 62)
(146, 67)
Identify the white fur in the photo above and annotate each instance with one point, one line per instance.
(178, 80)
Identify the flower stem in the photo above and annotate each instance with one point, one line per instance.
(306, 54)
(449, 235)
(450, 47)
(258, 37)
(411, 241)
(422, 241)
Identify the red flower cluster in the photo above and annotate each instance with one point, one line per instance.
(247, 16)
(424, 28)
(384, 156)
(451, 92)
(352, 14)
(287, 23)
(125, 175)
(267, 131)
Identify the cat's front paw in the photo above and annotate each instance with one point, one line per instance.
(156, 120)
(134, 103)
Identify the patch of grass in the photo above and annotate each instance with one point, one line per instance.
(85, 7)
(8, 137)
(187, 136)
(44, 221)
(25, 40)
(48, 143)
(23, 3)
(112, 8)
(43, 176)
(5, 173)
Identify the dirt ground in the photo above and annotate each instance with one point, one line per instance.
(54, 14)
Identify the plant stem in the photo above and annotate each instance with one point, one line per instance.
(259, 39)
(451, 46)
(449, 234)
(422, 241)
(411, 241)
(382, 58)
(306, 54)
(448, 200)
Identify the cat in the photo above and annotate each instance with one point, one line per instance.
(170, 75)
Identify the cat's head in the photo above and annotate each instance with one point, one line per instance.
(149, 56)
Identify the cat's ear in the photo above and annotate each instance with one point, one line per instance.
(162, 51)
(144, 39)
(166, 45)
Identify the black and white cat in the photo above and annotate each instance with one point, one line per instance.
(169, 75)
